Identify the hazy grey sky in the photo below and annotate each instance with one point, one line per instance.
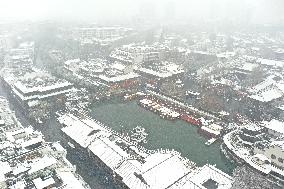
(259, 10)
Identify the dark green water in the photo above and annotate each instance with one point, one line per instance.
(178, 135)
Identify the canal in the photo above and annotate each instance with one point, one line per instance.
(179, 135)
(123, 117)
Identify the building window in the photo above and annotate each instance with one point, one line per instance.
(280, 160)
(273, 156)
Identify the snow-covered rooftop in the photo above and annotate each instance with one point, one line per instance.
(118, 66)
(278, 143)
(70, 180)
(267, 95)
(201, 176)
(41, 163)
(262, 85)
(154, 173)
(26, 88)
(80, 131)
(275, 125)
(273, 63)
(118, 78)
(249, 66)
(163, 71)
(41, 184)
(267, 90)
(157, 174)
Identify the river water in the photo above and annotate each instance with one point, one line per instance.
(123, 117)
(178, 135)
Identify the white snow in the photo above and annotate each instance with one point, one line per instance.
(274, 125)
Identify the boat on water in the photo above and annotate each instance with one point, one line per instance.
(210, 141)
(138, 129)
(128, 97)
(211, 131)
(191, 119)
(161, 109)
(191, 93)
(71, 145)
(139, 135)
(39, 121)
